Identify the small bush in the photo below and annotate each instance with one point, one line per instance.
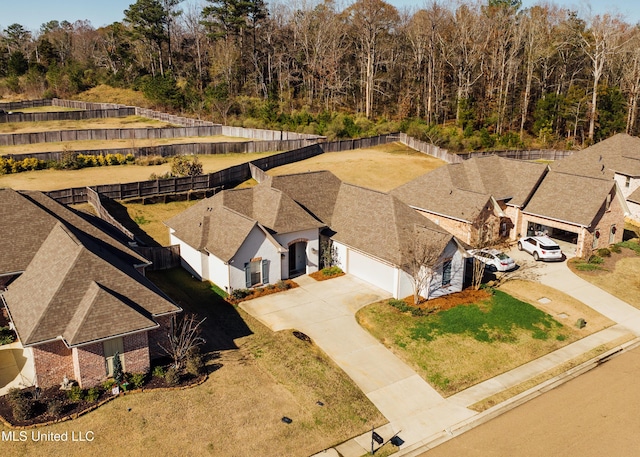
(283, 285)
(400, 305)
(75, 394)
(239, 294)
(630, 245)
(108, 384)
(137, 380)
(22, 408)
(55, 407)
(172, 377)
(331, 271)
(195, 364)
(154, 177)
(615, 248)
(14, 394)
(595, 260)
(604, 252)
(92, 394)
(158, 372)
(150, 160)
(6, 336)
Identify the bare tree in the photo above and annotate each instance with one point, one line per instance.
(422, 260)
(183, 337)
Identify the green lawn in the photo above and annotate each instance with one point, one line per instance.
(459, 347)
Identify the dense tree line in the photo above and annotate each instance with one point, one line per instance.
(477, 74)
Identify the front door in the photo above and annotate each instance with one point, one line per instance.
(297, 258)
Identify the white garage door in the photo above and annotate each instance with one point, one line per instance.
(371, 270)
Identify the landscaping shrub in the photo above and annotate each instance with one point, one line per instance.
(595, 260)
(154, 177)
(137, 380)
(331, 271)
(150, 160)
(22, 407)
(75, 394)
(603, 252)
(283, 285)
(630, 245)
(55, 406)
(92, 394)
(172, 377)
(195, 362)
(108, 384)
(400, 305)
(615, 248)
(158, 372)
(6, 336)
(14, 394)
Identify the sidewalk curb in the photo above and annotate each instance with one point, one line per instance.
(431, 442)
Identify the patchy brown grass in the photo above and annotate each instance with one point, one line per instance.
(151, 218)
(452, 362)
(620, 276)
(382, 168)
(46, 180)
(238, 410)
(129, 122)
(108, 94)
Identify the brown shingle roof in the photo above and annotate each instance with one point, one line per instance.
(221, 223)
(27, 219)
(76, 289)
(620, 153)
(462, 190)
(587, 197)
(635, 196)
(381, 225)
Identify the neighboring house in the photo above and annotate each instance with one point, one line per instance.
(616, 158)
(479, 200)
(376, 237)
(246, 237)
(588, 212)
(75, 294)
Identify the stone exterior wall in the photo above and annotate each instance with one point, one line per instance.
(470, 233)
(136, 353)
(52, 362)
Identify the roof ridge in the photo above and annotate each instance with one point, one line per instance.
(80, 314)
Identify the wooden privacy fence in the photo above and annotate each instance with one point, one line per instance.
(161, 257)
(16, 139)
(269, 135)
(95, 199)
(67, 115)
(169, 150)
(430, 149)
(24, 104)
(534, 154)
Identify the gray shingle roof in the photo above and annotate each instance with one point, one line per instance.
(619, 153)
(462, 190)
(570, 198)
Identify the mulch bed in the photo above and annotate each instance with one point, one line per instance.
(320, 276)
(262, 291)
(72, 409)
(607, 266)
(465, 297)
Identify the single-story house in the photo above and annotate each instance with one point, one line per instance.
(586, 211)
(479, 200)
(616, 158)
(377, 237)
(75, 294)
(244, 238)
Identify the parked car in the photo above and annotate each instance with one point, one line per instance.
(494, 259)
(540, 247)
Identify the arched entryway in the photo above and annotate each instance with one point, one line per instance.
(297, 258)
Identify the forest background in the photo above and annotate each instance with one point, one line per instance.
(465, 76)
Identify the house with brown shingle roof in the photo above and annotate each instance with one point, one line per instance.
(375, 235)
(479, 200)
(75, 294)
(617, 158)
(245, 238)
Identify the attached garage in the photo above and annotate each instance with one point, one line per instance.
(371, 270)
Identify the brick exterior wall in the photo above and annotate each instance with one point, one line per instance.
(90, 365)
(602, 222)
(52, 362)
(159, 335)
(469, 233)
(136, 353)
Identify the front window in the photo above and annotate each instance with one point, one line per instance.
(254, 269)
(446, 273)
(111, 348)
(256, 272)
(627, 182)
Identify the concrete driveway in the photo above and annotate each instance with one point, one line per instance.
(325, 311)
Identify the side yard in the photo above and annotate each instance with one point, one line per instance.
(456, 345)
(256, 378)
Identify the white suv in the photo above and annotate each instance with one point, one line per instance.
(540, 247)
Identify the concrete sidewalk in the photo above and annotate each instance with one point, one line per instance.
(325, 311)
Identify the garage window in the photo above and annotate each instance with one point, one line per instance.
(446, 273)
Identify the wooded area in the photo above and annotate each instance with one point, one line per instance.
(466, 76)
